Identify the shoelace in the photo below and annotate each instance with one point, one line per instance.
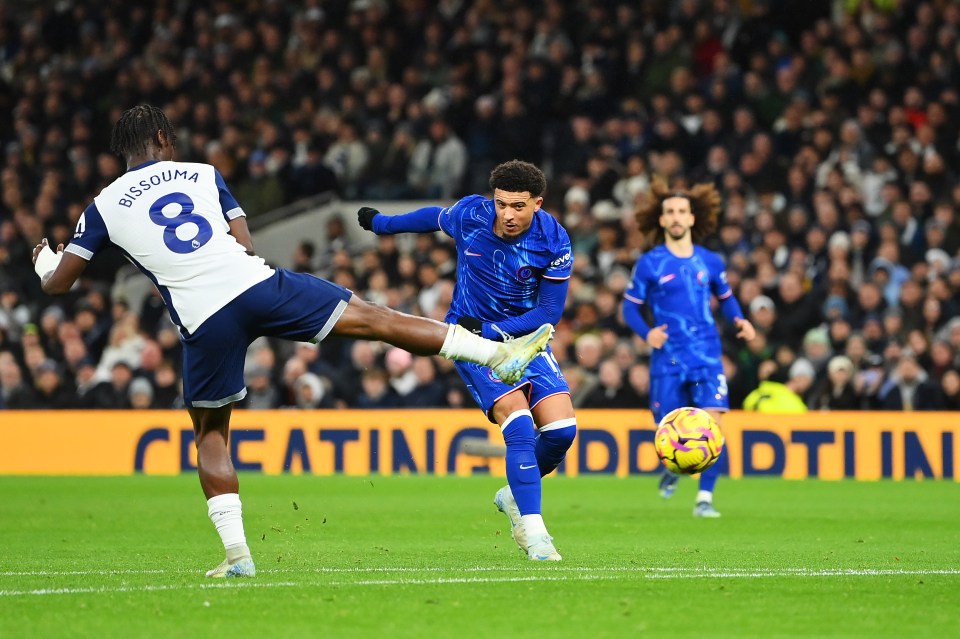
(506, 337)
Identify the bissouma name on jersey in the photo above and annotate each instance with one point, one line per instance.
(156, 179)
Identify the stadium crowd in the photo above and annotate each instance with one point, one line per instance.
(831, 129)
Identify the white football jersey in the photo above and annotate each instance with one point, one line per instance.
(171, 220)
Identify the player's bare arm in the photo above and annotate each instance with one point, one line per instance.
(240, 230)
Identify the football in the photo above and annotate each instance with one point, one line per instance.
(688, 440)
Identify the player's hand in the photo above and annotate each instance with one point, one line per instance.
(365, 217)
(472, 324)
(745, 329)
(45, 260)
(657, 336)
(39, 247)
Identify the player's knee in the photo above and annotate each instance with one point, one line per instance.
(364, 320)
(559, 434)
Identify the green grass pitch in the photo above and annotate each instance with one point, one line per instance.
(390, 557)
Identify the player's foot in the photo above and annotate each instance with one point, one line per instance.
(541, 548)
(506, 504)
(513, 357)
(705, 509)
(668, 483)
(242, 567)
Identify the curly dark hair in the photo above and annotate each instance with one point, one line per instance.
(517, 176)
(137, 127)
(705, 203)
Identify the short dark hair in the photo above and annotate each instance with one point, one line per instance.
(137, 127)
(517, 176)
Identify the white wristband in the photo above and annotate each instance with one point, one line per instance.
(47, 261)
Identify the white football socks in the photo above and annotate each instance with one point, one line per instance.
(533, 525)
(226, 514)
(461, 344)
(703, 495)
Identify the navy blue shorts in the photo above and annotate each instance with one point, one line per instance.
(541, 380)
(701, 388)
(294, 306)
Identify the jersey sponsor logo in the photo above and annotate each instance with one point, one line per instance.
(563, 259)
(666, 278)
(81, 226)
(524, 273)
(471, 253)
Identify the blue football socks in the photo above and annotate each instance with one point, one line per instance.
(523, 471)
(553, 442)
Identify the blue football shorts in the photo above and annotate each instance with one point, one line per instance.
(294, 306)
(701, 388)
(541, 380)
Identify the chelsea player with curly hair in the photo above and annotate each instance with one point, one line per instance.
(675, 281)
(513, 269)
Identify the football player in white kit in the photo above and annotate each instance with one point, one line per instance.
(180, 225)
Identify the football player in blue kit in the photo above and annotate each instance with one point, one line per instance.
(675, 281)
(181, 226)
(513, 269)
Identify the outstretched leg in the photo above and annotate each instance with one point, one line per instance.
(422, 336)
(220, 485)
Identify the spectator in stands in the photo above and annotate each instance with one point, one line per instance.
(348, 157)
(950, 387)
(866, 145)
(312, 176)
(797, 311)
(261, 191)
(429, 391)
(782, 398)
(909, 387)
(836, 391)
(439, 164)
(166, 387)
(870, 380)
(376, 391)
(312, 391)
(612, 391)
(399, 367)
(114, 393)
(141, 394)
(48, 390)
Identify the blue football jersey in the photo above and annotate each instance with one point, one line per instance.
(677, 291)
(499, 278)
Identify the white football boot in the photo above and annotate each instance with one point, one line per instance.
(541, 548)
(705, 509)
(506, 504)
(238, 563)
(513, 357)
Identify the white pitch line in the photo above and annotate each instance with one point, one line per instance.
(145, 588)
(575, 574)
(355, 570)
(694, 570)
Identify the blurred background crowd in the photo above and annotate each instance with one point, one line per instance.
(830, 127)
